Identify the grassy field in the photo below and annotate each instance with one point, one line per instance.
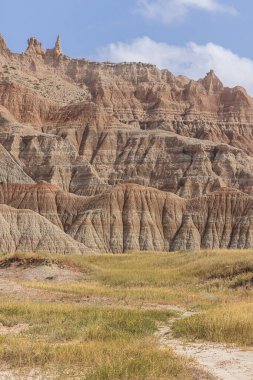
(190, 279)
(88, 343)
(114, 338)
(227, 323)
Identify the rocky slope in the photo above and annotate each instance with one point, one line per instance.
(27, 231)
(102, 157)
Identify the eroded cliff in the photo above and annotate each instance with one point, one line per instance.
(102, 157)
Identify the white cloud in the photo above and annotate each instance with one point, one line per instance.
(168, 11)
(191, 60)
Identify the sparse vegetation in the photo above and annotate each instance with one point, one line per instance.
(195, 279)
(229, 323)
(91, 343)
(110, 337)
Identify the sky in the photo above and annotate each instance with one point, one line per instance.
(188, 37)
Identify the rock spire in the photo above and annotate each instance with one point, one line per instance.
(212, 83)
(3, 46)
(34, 47)
(57, 47)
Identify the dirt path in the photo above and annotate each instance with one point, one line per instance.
(220, 361)
(217, 360)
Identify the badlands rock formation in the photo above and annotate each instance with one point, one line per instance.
(102, 157)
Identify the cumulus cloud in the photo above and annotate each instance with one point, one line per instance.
(192, 60)
(168, 11)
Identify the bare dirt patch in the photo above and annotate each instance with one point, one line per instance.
(16, 271)
(35, 374)
(41, 269)
(220, 361)
(5, 330)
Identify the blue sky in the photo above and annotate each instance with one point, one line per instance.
(186, 36)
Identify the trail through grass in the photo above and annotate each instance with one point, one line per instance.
(115, 339)
(91, 343)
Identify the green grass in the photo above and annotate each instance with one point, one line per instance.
(61, 321)
(90, 343)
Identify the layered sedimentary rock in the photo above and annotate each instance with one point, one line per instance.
(27, 231)
(132, 217)
(102, 157)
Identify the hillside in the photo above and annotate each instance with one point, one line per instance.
(103, 157)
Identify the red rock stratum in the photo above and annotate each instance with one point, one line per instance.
(103, 157)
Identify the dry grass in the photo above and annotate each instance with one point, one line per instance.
(229, 323)
(193, 279)
(115, 342)
(88, 343)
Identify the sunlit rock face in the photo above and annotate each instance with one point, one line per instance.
(102, 157)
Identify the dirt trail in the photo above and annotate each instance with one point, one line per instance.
(217, 360)
(224, 363)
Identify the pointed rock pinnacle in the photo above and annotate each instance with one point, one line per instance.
(211, 82)
(57, 47)
(3, 46)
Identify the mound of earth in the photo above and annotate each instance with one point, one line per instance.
(38, 269)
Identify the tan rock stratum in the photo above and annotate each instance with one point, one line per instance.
(102, 157)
